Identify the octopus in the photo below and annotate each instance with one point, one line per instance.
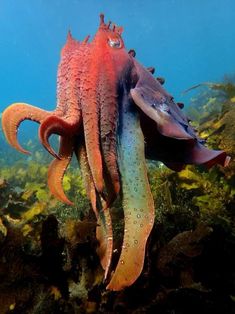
(113, 114)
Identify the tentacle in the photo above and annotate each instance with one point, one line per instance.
(57, 125)
(86, 175)
(67, 120)
(62, 75)
(75, 72)
(104, 234)
(108, 126)
(81, 93)
(90, 113)
(57, 169)
(14, 115)
(137, 199)
(104, 231)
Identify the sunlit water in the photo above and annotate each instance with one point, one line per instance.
(188, 42)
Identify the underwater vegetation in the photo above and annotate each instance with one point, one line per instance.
(50, 255)
(48, 249)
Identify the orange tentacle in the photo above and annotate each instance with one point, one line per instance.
(63, 73)
(14, 115)
(90, 113)
(91, 129)
(108, 126)
(67, 120)
(57, 169)
(74, 74)
(56, 125)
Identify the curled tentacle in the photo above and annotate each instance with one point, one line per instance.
(14, 115)
(57, 125)
(57, 169)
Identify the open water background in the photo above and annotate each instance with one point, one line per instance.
(187, 41)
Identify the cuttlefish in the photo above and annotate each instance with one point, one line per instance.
(113, 114)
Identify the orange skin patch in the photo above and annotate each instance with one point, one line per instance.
(113, 114)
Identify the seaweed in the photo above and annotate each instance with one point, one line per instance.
(48, 260)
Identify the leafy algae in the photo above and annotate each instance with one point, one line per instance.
(48, 254)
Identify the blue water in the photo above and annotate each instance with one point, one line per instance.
(187, 41)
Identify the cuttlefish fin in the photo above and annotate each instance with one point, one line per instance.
(201, 155)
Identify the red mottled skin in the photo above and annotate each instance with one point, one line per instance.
(103, 96)
(87, 83)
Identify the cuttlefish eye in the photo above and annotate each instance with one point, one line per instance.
(115, 43)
